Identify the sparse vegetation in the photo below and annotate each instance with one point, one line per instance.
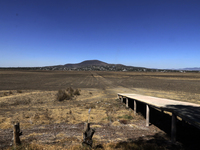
(67, 94)
(126, 117)
(110, 114)
(123, 121)
(10, 92)
(21, 102)
(63, 95)
(60, 124)
(70, 91)
(77, 92)
(5, 94)
(19, 91)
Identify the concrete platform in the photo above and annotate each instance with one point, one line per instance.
(189, 112)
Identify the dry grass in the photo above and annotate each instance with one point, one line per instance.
(40, 107)
(19, 91)
(96, 146)
(67, 94)
(77, 92)
(63, 95)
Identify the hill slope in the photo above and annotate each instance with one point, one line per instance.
(95, 65)
(86, 63)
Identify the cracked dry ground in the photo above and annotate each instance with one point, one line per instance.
(59, 125)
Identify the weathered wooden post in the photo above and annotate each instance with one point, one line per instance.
(127, 102)
(147, 115)
(122, 99)
(16, 134)
(135, 107)
(88, 133)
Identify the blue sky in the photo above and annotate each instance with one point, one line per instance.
(143, 33)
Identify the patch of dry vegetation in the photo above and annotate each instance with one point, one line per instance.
(138, 145)
(67, 94)
(38, 109)
(42, 108)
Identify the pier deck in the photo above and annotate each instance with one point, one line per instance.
(189, 112)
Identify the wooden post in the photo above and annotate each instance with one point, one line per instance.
(135, 107)
(147, 115)
(127, 102)
(87, 135)
(16, 134)
(173, 128)
(122, 99)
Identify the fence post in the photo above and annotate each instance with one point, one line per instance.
(147, 115)
(127, 102)
(16, 134)
(87, 135)
(122, 99)
(173, 129)
(135, 107)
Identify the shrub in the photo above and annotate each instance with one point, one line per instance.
(19, 91)
(63, 95)
(70, 91)
(76, 92)
(67, 94)
(88, 106)
(123, 121)
(10, 92)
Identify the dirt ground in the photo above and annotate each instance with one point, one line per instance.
(29, 97)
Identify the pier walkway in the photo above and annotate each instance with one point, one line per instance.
(189, 112)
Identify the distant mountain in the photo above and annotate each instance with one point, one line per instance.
(97, 65)
(94, 65)
(191, 69)
(87, 63)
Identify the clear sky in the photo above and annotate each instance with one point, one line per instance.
(144, 33)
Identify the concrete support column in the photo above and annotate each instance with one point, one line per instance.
(147, 115)
(135, 107)
(127, 102)
(173, 128)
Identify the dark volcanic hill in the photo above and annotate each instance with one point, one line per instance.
(95, 65)
(87, 63)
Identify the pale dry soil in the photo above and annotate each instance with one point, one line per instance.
(52, 124)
